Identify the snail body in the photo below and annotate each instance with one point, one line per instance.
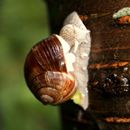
(56, 67)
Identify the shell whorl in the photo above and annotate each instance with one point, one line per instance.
(46, 72)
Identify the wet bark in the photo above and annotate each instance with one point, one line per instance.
(109, 65)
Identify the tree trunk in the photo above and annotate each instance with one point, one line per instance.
(109, 65)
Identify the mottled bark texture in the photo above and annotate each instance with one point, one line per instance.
(109, 65)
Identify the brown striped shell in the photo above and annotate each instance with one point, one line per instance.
(46, 72)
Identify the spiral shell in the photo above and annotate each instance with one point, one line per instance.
(46, 72)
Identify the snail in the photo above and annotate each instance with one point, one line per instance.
(56, 68)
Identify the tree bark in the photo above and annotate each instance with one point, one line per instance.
(109, 65)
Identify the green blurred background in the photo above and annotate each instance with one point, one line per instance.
(22, 24)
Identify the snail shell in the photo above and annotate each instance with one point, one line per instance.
(46, 72)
